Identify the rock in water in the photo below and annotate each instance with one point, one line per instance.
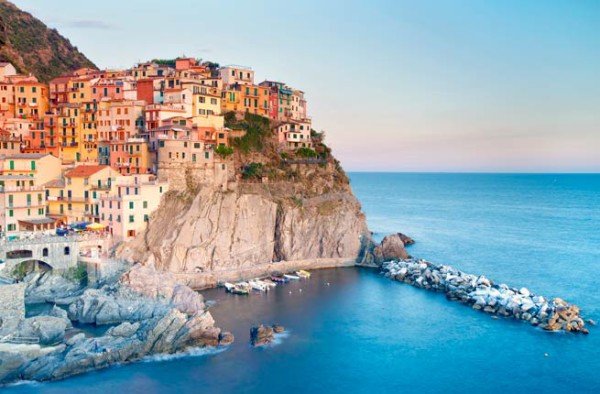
(278, 328)
(406, 239)
(483, 294)
(391, 248)
(226, 338)
(261, 335)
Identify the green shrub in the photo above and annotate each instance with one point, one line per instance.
(224, 151)
(253, 170)
(306, 152)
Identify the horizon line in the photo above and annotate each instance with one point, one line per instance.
(473, 172)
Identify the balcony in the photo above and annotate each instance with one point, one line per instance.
(4, 189)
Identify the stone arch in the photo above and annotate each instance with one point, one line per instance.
(28, 266)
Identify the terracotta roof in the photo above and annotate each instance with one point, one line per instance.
(62, 79)
(55, 183)
(84, 171)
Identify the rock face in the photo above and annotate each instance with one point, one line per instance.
(47, 287)
(49, 329)
(153, 314)
(253, 224)
(261, 335)
(392, 247)
(483, 294)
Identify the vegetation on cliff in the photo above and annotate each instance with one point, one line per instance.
(32, 47)
(257, 155)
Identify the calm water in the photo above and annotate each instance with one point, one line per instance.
(363, 333)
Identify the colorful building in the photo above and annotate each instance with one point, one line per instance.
(31, 99)
(294, 135)
(75, 198)
(127, 212)
(232, 75)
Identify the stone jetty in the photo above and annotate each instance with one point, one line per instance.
(483, 294)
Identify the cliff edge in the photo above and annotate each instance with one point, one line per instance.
(277, 211)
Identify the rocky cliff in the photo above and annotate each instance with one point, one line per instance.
(32, 47)
(149, 311)
(253, 224)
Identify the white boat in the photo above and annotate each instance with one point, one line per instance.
(258, 285)
(228, 286)
(291, 277)
(269, 283)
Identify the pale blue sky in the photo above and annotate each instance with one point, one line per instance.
(471, 85)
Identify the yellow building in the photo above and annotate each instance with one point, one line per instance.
(41, 166)
(80, 90)
(75, 199)
(22, 205)
(31, 99)
(22, 193)
(246, 98)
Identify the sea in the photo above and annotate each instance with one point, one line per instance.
(353, 331)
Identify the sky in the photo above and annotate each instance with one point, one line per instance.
(402, 85)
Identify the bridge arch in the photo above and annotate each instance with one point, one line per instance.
(25, 267)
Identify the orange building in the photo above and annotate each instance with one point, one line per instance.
(31, 99)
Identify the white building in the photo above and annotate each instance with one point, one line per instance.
(127, 212)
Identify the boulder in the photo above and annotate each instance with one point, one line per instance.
(48, 329)
(278, 329)
(124, 330)
(391, 248)
(261, 335)
(226, 338)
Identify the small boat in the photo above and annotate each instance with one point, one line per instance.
(258, 285)
(278, 279)
(291, 277)
(240, 290)
(303, 274)
(228, 286)
(269, 283)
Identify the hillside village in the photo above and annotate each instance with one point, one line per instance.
(97, 149)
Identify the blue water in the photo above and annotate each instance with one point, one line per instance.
(364, 333)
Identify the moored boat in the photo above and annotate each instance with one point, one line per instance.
(258, 285)
(303, 274)
(291, 277)
(278, 279)
(269, 283)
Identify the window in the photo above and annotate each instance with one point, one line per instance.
(196, 145)
(145, 204)
(130, 204)
(207, 155)
(131, 219)
(45, 252)
(11, 164)
(146, 218)
(67, 251)
(11, 213)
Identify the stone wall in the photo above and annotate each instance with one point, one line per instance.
(190, 175)
(12, 307)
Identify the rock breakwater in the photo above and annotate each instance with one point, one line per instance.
(483, 294)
